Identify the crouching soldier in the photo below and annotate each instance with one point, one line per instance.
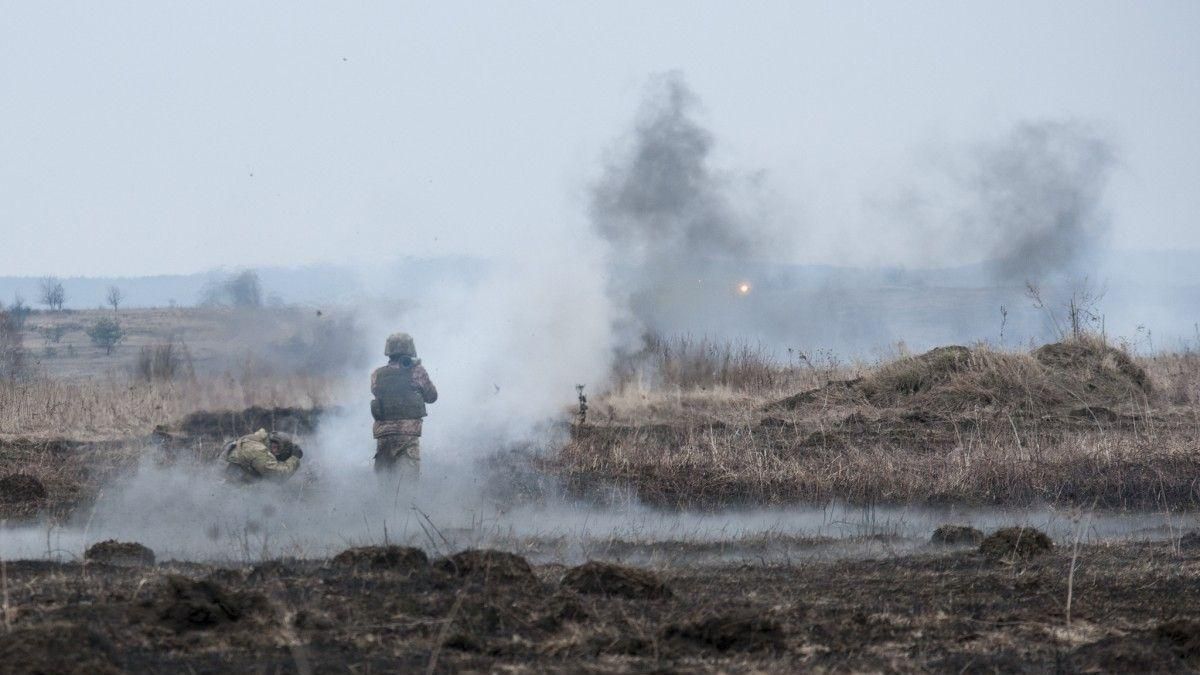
(261, 455)
(402, 389)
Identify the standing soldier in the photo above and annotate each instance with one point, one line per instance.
(401, 390)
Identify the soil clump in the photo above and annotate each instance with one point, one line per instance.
(399, 558)
(956, 535)
(602, 578)
(19, 488)
(488, 565)
(120, 554)
(1016, 542)
(184, 604)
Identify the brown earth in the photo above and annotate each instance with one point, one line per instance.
(956, 535)
(1133, 608)
(19, 489)
(602, 578)
(121, 553)
(1015, 542)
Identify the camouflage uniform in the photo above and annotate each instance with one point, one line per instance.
(401, 390)
(251, 460)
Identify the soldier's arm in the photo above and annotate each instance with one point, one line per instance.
(374, 379)
(424, 384)
(266, 465)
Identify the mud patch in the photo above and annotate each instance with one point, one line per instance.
(488, 565)
(19, 488)
(601, 578)
(58, 648)
(730, 633)
(401, 558)
(1016, 542)
(956, 535)
(120, 554)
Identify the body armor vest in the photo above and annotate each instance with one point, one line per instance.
(398, 397)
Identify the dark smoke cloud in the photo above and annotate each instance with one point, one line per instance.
(1038, 197)
(679, 235)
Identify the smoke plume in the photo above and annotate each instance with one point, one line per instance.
(680, 234)
(1038, 200)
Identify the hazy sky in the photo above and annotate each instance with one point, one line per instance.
(161, 136)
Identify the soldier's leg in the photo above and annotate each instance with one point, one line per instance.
(385, 457)
(408, 459)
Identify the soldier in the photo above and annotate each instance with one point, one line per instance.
(401, 390)
(261, 455)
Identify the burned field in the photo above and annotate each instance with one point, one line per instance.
(1130, 607)
(1073, 427)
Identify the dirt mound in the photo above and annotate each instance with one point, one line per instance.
(957, 378)
(916, 374)
(230, 423)
(1101, 370)
(488, 565)
(601, 578)
(1016, 542)
(730, 633)
(119, 553)
(1190, 541)
(58, 648)
(184, 604)
(403, 558)
(18, 488)
(956, 535)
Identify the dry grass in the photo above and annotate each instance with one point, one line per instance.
(123, 407)
(1077, 422)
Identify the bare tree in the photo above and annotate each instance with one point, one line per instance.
(114, 297)
(53, 295)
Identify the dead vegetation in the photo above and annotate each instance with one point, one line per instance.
(119, 408)
(1078, 422)
(954, 611)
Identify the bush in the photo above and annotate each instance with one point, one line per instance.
(12, 349)
(164, 361)
(106, 333)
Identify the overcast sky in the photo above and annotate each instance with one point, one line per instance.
(158, 137)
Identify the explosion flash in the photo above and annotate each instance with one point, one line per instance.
(744, 288)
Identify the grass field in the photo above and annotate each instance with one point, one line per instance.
(1071, 428)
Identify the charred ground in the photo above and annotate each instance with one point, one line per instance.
(1132, 607)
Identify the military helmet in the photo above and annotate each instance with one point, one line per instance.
(287, 442)
(282, 438)
(400, 344)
